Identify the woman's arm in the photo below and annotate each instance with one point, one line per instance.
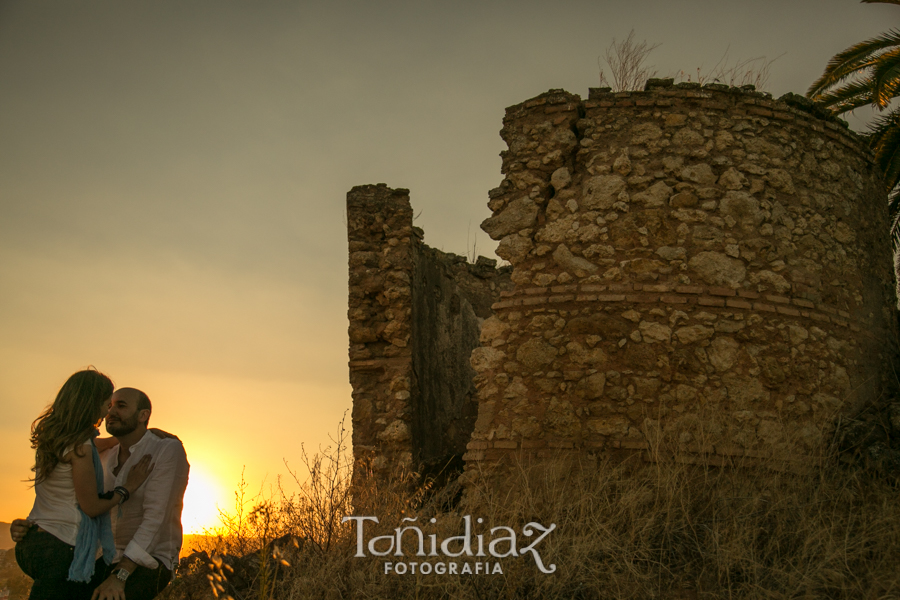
(86, 483)
(105, 443)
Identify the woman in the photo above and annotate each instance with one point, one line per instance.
(70, 512)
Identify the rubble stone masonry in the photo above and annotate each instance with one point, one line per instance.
(706, 264)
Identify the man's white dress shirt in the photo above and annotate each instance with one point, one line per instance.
(148, 524)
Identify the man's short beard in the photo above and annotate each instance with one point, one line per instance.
(122, 427)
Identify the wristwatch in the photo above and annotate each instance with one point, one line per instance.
(121, 574)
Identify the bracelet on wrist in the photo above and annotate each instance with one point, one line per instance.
(122, 491)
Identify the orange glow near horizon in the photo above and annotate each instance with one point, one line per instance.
(202, 502)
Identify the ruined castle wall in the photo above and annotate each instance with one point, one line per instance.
(706, 264)
(415, 316)
(450, 300)
(381, 239)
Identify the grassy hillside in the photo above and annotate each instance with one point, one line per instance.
(658, 529)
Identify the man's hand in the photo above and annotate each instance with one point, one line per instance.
(110, 589)
(18, 528)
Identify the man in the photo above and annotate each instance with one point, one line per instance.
(148, 524)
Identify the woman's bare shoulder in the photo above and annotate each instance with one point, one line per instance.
(69, 453)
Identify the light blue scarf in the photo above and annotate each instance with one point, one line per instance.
(92, 531)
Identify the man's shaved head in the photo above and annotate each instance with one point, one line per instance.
(125, 411)
(143, 401)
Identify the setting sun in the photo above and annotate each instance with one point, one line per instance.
(201, 501)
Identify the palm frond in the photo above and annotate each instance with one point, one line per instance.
(894, 212)
(885, 141)
(848, 97)
(853, 60)
(886, 78)
(884, 129)
(837, 71)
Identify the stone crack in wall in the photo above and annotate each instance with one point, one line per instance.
(415, 316)
(704, 264)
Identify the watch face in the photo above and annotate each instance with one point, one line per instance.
(122, 574)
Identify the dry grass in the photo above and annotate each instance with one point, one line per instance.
(634, 529)
(671, 530)
(747, 72)
(626, 63)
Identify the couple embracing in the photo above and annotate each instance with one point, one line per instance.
(106, 521)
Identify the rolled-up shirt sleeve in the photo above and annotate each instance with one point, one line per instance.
(161, 503)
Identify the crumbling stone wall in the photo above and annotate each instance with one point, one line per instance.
(415, 315)
(706, 264)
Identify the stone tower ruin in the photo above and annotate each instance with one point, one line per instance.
(703, 265)
(415, 316)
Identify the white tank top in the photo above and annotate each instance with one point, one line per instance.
(55, 506)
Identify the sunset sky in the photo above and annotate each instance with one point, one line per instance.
(173, 177)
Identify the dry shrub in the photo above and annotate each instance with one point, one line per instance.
(625, 60)
(635, 528)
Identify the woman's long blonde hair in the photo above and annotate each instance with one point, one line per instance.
(70, 420)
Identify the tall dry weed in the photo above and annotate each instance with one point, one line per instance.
(626, 61)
